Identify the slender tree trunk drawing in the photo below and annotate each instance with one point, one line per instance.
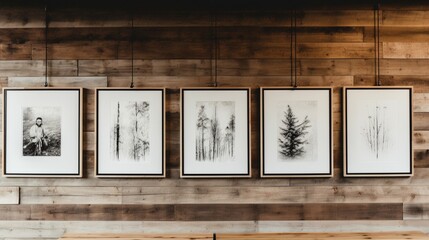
(214, 134)
(135, 132)
(202, 122)
(214, 137)
(232, 128)
(377, 132)
(292, 135)
(117, 133)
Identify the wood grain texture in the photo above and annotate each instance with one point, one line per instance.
(324, 236)
(9, 195)
(89, 45)
(137, 236)
(203, 212)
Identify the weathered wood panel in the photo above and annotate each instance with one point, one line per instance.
(9, 195)
(204, 212)
(89, 46)
(31, 68)
(324, 236)
(137, 236)
(407, 50)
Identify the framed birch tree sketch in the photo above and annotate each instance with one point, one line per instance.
(296, 132)
(215, 132)
(42, 132)
(130, 132)
(378, 131)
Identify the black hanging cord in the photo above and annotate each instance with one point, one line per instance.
(214, 46)
(377, 44)
(46, 45)
(132, 51)
(293, 47)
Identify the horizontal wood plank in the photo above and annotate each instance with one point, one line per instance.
(204, 212)
(324, 236)
(34, 68)
(9, 195)
(137, 236)
(407, 50)
(85, 82)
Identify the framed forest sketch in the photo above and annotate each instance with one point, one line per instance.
(42, 132)
(215, 132)
(296, 132)
(130, 132)
(378, 131)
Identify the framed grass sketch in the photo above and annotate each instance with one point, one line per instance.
(296, 132)
(378, 131)
(130, 137)
(215, 132)
(42, 132)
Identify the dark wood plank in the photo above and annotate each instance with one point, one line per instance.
(204, 212)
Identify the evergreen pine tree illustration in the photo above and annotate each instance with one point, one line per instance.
(292, 135)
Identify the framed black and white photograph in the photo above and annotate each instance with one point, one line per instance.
(378, 131)
(130, 132)
(215, 132)
(296, 132)
(42, 132)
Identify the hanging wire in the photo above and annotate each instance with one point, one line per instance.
(46, 45)
(377, 44)
(214, 51)
(132, 51)
(294, 43)
(293, 47)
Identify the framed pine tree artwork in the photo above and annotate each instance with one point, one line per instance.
(296, 132)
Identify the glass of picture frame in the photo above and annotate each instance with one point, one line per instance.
(378, 131)
(215, 132)
(296, 132)
(130, 132)
(42, 132)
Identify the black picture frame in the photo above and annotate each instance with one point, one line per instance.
(394, 109)
(239, 95)
(156, 164)
(63, 155)
(308, 103)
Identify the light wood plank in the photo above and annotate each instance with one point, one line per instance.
(325, 236)
(137, 236)
(70, 195)
(299, 194)
(187, 67)
(32, 68)
(405, 50)
(9, 195)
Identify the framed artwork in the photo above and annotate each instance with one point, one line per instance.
(42, 132)
(296, 132)
(130, 132)
(215, 132)
(378, 131)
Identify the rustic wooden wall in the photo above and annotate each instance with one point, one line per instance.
(89, 46)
